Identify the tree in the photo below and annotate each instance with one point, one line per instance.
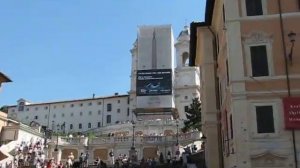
(193, 114)
(91, 135)
(4, 109)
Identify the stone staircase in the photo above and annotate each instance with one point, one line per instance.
(6, 150)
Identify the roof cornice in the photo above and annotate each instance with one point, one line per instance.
(6, 78)
(209, 9)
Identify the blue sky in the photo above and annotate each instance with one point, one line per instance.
(70, 49)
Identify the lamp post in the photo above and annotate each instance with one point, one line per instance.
(52, 125)
(57, 130)
(63, 127)
(177, 153)
(203, 139)
(133, 127)
(47, 135)
(177, 142)
(292, 38)
(132, 151)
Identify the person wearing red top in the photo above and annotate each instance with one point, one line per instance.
(60, 165)
(49, 164)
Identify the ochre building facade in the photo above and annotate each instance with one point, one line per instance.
(248, 53)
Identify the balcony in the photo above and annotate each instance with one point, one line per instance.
(70, 141)
(144, 135)
(143, 140)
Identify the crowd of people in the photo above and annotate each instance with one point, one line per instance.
(147, 163)
(29, 153)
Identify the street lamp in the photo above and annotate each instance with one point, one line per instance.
(56, 147)
(292, 38)
(203, 139)
(52, 125)
(133, 127)
(177, 153)
(132, 151)
(63, 127)
(45, 135)
(177, 143)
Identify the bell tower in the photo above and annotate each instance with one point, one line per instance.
(187, 85)
(182, 48)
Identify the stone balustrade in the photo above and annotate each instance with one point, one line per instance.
(142, 125)
(126, 140)
(70, 141)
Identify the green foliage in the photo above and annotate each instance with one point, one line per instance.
(193, 115)
(4, 109)
(91, 135)
(59, 134)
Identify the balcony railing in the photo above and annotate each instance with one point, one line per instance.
(127, 140)
(183, 138)
(70, 141)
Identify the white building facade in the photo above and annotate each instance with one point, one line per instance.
(74, 115)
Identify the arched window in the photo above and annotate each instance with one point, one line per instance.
(71, 126)
(21, 106)
(185, 59)
(89, 125)
(80, 126)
